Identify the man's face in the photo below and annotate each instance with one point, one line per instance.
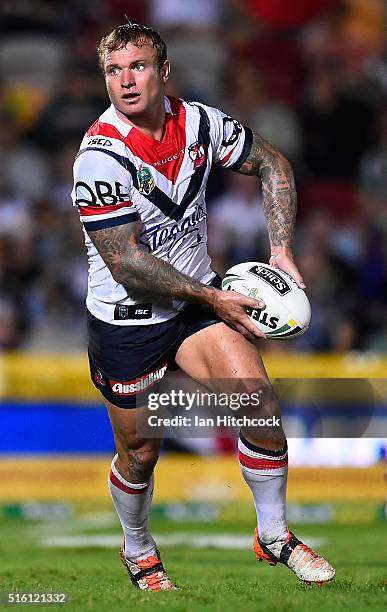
(134, 81)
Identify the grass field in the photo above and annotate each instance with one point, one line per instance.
(208, 578)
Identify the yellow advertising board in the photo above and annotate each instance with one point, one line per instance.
(66, 376)
(182, 478)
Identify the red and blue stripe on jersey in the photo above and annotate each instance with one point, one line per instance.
(166, 156)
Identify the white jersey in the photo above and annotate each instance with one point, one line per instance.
(123, 175)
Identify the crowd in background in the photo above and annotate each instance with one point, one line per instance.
(311, 77)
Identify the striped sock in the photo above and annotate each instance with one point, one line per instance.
(266, 473)
(132, 502)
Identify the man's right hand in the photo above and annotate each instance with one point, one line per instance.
(230, 307)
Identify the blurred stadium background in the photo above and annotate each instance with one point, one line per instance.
(309, 76)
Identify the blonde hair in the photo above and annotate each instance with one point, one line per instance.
(134, 34)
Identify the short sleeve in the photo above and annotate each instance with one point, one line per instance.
(231, 141)
(102, 190)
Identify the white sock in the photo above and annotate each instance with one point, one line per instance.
(132, 502)
(266, 474)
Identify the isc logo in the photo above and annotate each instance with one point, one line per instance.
(133, 311)
(102, 142)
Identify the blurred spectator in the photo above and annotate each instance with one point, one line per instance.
(33, 60)
(32, 52)
(284, 15)
(200, 14)
(135, 10)
(373, 288)
(72, 110)
(35, 16)
(251, 103)
(340, 198)
(10, 330)
(195, 46)
(236, 224)
(20, 269)
(62, 164)
(58, 296)
(333, 146)
(14, 212)
(334, 323)
(276, 55)
(364, 24)
(373, 174)
(25, 166)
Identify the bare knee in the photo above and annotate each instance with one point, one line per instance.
(268, 432)
(272, 444)
(137, 458)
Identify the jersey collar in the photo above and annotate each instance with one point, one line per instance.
(112, 116)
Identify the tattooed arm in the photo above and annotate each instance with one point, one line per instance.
(134, 267)
(279, 200)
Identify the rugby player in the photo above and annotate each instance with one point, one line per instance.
(154, 301)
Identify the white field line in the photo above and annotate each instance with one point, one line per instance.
(192, 540)
(82, 523)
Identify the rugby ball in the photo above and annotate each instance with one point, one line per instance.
(287, 312)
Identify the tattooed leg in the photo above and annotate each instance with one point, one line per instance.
(137, 466)
(131, 482)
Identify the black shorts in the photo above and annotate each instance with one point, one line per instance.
(128, 362)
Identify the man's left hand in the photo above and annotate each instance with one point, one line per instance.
(282, 258)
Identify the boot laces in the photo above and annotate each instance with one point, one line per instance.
(157, 578)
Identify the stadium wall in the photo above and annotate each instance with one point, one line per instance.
(65, 376)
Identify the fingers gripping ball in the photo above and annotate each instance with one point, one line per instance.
(287, 313)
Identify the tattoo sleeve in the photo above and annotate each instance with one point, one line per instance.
(134, 267)
(278, 189)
